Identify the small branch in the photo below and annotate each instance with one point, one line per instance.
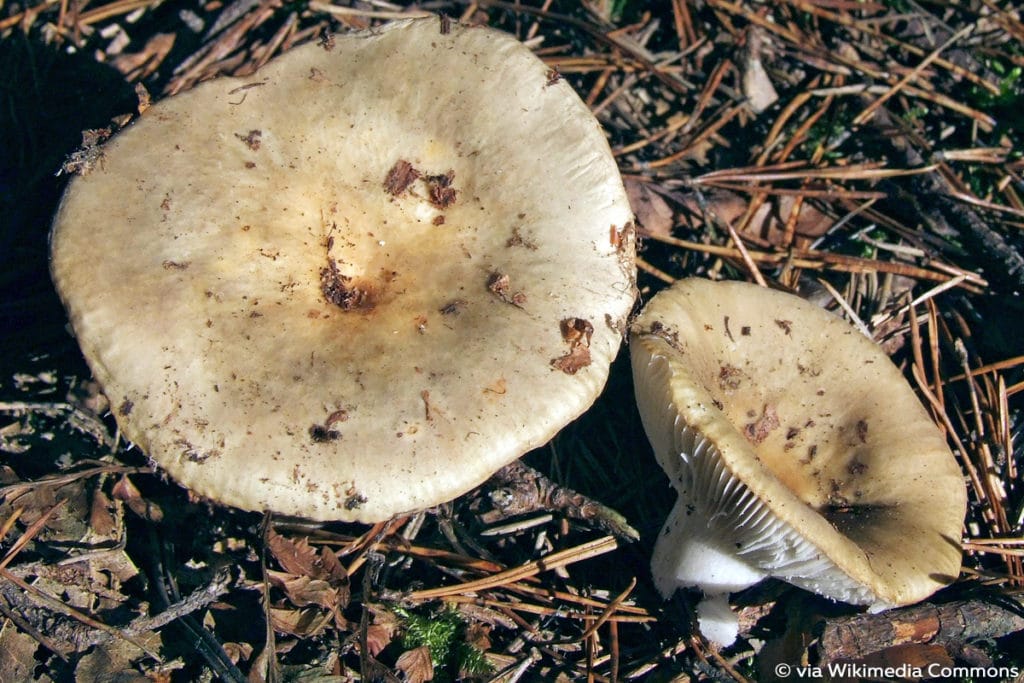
(955, 623)
(529, 491)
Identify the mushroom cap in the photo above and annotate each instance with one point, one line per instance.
(357, 282)
(798, 449)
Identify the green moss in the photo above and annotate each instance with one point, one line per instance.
(444, 633)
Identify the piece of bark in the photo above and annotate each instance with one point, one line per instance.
(950, 625)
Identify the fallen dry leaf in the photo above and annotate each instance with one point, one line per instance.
(382, 631)
(125, 491)
(416, 665)
(17, 656)
(653, 214)
(768, 222)
(301, 559)
(299, 622)
(302, 591)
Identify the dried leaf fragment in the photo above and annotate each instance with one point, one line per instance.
(577, 333)
(124, 490)
(299, 558)
(572, 362)
(416, 665)
(442, 194)
(298, 622)
(310, 578)
(653, 213)
(382, 631)
(400, 177)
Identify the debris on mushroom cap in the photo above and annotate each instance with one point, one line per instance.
(797, 449)
(289, 277)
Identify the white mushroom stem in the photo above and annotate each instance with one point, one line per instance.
(717, 622)
(689, 553)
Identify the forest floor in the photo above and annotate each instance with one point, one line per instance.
(864, 153)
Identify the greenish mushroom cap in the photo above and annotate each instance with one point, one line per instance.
(357, 282)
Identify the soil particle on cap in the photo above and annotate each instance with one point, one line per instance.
(615, 237)
(425, 395)
(400, 177)
(441, 192)
(500, 285)
(616, 325)
(193, 454)
(862, 431)
(125, 409)
(577, 331)
(624, 242)
(729, 378)
(339, 415)
(517, 240)
(758, 430)
(836, 500)
(323, 433)
(251, 139)
(453, 307)
(340, 290)
(666, 334)
(553, 76)
(446, 24)
(175, 265)
(355, 500)
(572, 362)
(785, 325)
(326, 40)
(498, 386)
(792, 433)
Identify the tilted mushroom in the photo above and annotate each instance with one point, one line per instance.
(357, 282)
(797, 449)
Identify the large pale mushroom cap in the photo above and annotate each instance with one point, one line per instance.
(797, 448)
(357, 282)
